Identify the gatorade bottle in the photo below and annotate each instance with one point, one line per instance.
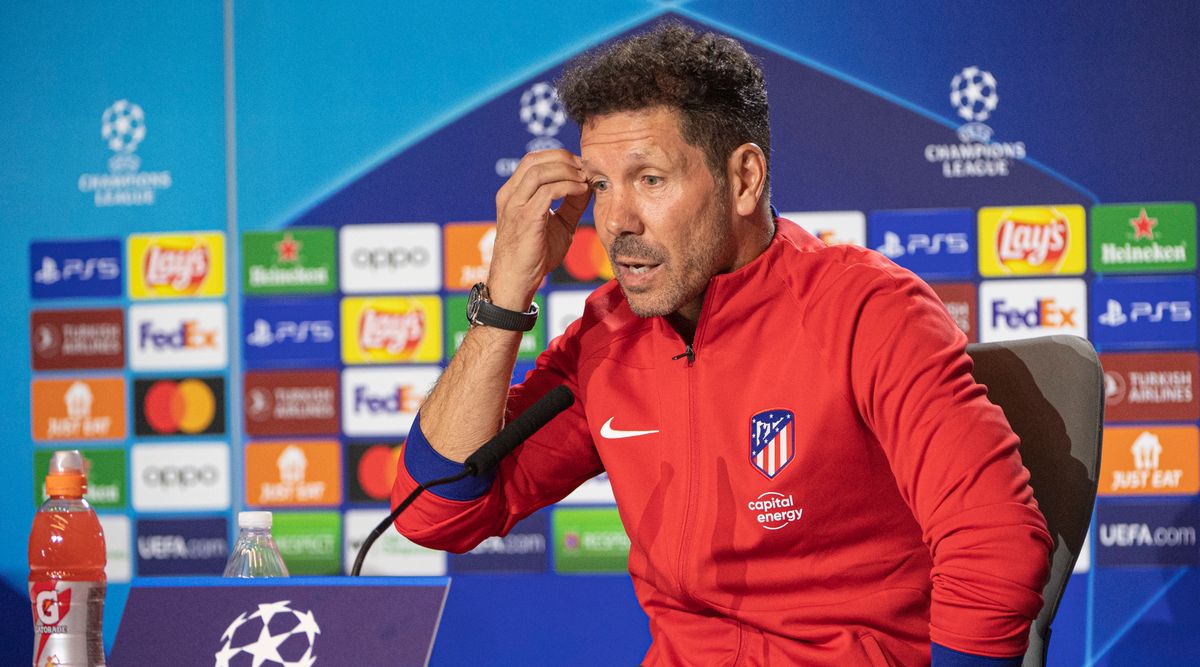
(66, 571)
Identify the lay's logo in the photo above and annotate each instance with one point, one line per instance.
(392, 329)
(176, 266)
(1030, 241)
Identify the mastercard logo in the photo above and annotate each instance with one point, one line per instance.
(374, 471)
(187, 406)
(586, 260)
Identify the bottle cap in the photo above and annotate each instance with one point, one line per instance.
(254, 519)
(67, 476)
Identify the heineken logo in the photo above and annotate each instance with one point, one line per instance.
(298, 261)
(1144, 238)
(288, 249)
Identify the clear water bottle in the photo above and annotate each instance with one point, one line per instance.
(254, 553)
(66, 570)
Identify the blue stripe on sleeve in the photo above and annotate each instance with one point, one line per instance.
(948, 657)
(425, 464)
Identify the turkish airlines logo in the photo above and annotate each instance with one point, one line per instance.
(70, 339)
(291, 402)
(1151, 386)
(179, 406)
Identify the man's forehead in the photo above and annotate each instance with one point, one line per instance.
(632, 136)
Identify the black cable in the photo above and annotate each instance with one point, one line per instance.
(383, 525)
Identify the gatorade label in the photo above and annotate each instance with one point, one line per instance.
(66, 623)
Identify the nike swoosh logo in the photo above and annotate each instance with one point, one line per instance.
(607, 431)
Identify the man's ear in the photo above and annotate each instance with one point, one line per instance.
(746, 172)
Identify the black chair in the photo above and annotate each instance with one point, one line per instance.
(1052, 391)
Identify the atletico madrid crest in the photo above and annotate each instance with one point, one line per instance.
(772, 440)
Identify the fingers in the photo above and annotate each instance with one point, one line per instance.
(572, 207)
(535, 169)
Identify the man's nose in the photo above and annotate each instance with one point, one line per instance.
(619, 214)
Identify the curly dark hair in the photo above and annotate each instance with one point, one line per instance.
(715, 85)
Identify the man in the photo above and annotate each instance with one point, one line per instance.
(807, 472)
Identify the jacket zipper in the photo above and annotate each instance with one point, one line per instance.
(693, 460)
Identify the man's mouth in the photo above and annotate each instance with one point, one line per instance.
(637, 266)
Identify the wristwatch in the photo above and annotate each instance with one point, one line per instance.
(481, 311)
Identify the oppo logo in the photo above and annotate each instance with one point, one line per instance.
(181, 476)
(398, 257)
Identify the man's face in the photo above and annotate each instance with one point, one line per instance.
(661, 215)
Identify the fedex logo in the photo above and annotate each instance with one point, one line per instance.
(403, 399)
(1044, 313)
(1144, 313)
(933, 243)
(189, 334)
(1010, 310)
(290, 332)
(384, 401)
(73, 269)
(171, 337)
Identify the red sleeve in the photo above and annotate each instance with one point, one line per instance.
(542, 471)
(952, 452)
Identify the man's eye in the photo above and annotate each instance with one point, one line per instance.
(652, 180)
(599, 186)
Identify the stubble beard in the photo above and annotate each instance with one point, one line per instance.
(696, 265)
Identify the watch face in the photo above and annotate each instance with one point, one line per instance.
(474, 301)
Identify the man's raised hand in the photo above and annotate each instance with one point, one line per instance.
(532, 239)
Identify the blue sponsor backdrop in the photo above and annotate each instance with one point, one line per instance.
(319, 115)
(1148, 534)
(290, 333)
(525, 549)
(64, 269)
(181, 546)
(937, 244)
(1143, 313)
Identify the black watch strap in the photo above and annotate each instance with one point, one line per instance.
(482, 312)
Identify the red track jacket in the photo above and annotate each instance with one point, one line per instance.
(822, 483)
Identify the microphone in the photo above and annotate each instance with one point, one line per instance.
(485, 459)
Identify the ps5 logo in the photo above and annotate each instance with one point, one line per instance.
(76, 268)
(925, 244)
(1144, 311)
(284, 331)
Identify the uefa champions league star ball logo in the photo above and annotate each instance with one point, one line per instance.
(973, 92)
(123, 126)
(273, 636)
(541, 111)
